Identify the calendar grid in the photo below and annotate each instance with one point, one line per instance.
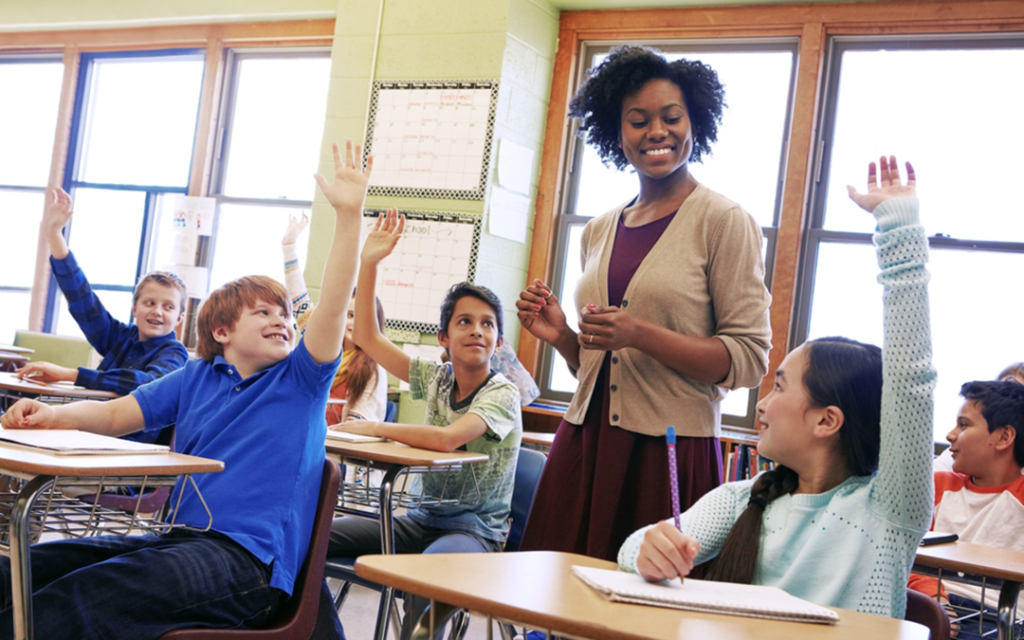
(436, 251)
(431, 139)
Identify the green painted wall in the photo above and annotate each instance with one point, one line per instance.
(40, 15)
(512, 41)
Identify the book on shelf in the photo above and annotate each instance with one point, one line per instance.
(69, 442)
(748, 600)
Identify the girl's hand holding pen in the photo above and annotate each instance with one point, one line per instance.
(666, 553)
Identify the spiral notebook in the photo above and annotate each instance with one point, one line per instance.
(748, 600)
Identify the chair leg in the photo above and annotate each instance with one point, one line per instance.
(460, 625)
(507, 631)
(442, 614)
(339, 598)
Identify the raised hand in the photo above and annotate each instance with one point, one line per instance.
(385, 236)
(884, 184)
(295, 226)
(666, 553)
(348, 190)
(28, 414)
(58, 210)
(540, 313)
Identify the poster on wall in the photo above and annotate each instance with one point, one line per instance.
(436, 251)
(431, 139)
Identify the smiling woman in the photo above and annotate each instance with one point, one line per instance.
(674, 310)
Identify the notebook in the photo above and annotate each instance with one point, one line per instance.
(748, 600)
(344, 436)
(64, 442)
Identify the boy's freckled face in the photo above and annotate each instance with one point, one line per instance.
(261, 337)
(157, 311)
(472, 334)
(972, 446)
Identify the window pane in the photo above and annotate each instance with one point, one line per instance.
(118, 303)
(277, 126)
(745, 163)
(15, 316)
(20, 213)
(105, 234)
(920, 120)
(561, 379)
(28, 123)
(249, 242)
(140, 122)
(973, 337)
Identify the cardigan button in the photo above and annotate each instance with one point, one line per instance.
(625, 303)
(615, 360)
(615, 417)
(615, 387)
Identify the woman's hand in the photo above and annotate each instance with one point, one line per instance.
(607, 328)
(540, 312)
(884, 186)
(384, 238)
(295, 226)
(666, 553)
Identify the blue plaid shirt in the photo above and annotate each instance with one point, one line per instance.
(127, 361)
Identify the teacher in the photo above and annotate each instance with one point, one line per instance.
(673, 311)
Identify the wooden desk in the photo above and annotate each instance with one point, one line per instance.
(13, 349)
(12, 389)
(9, 361)
(43, 470)
(537, 588)
(536, 440)
(395, 459)
(990, 562)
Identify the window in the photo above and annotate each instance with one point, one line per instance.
(948, 106)
(132, 140)
(746, 166)
(273, 117)
(26, 145)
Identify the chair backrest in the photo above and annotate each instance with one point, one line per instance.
(65, 351)
(528, 472)
(925, 610)
(296, 617)
(390, 412)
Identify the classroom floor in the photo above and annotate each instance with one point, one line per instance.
(359, 617)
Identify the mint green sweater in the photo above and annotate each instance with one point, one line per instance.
(853, 546)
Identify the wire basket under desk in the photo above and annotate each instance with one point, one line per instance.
(74, 507)
(458, 484)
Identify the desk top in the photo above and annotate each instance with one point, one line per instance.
(10, 356)
(537, 588)
(537, 438)
(10, 348)
(10, 382)
(396, 453)
(974, 558)
(23, 461)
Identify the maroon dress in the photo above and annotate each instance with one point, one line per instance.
(602, 483)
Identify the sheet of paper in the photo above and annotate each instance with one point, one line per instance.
(425, 351)
(508, 215)
(196, 279)
(515, 166)
(194, 214)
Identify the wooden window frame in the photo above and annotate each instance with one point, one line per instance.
(812, 24)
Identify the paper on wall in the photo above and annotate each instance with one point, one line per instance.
(515, 166)
(508, 214)
(196, 279)
(194, 215)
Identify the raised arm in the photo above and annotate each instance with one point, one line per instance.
(326, 328)
(904, 487)
(55, 217)
(379, 245)
(114, 418)
(293, 280)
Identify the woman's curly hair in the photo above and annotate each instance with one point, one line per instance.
(598, 103)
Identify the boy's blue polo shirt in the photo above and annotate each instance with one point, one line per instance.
(269, 430)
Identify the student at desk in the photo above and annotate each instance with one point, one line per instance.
(251, 401)
(839, 520)
(134, 353)
(468, 405)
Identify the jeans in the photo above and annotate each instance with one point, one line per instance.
(140, 587)
(353, 537)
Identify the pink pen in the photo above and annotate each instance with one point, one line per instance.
(673, 473)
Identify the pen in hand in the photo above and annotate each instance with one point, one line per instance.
(673, 473)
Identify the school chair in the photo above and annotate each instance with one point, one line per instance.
(296, 617)
(64, 351)
(927, 611)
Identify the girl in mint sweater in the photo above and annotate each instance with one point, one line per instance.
(849, 426)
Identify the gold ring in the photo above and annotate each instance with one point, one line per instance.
(591, 341)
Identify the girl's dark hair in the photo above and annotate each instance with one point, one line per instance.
(840, 372)
(363, 369)
(598, 103)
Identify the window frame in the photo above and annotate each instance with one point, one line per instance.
(569, 219)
